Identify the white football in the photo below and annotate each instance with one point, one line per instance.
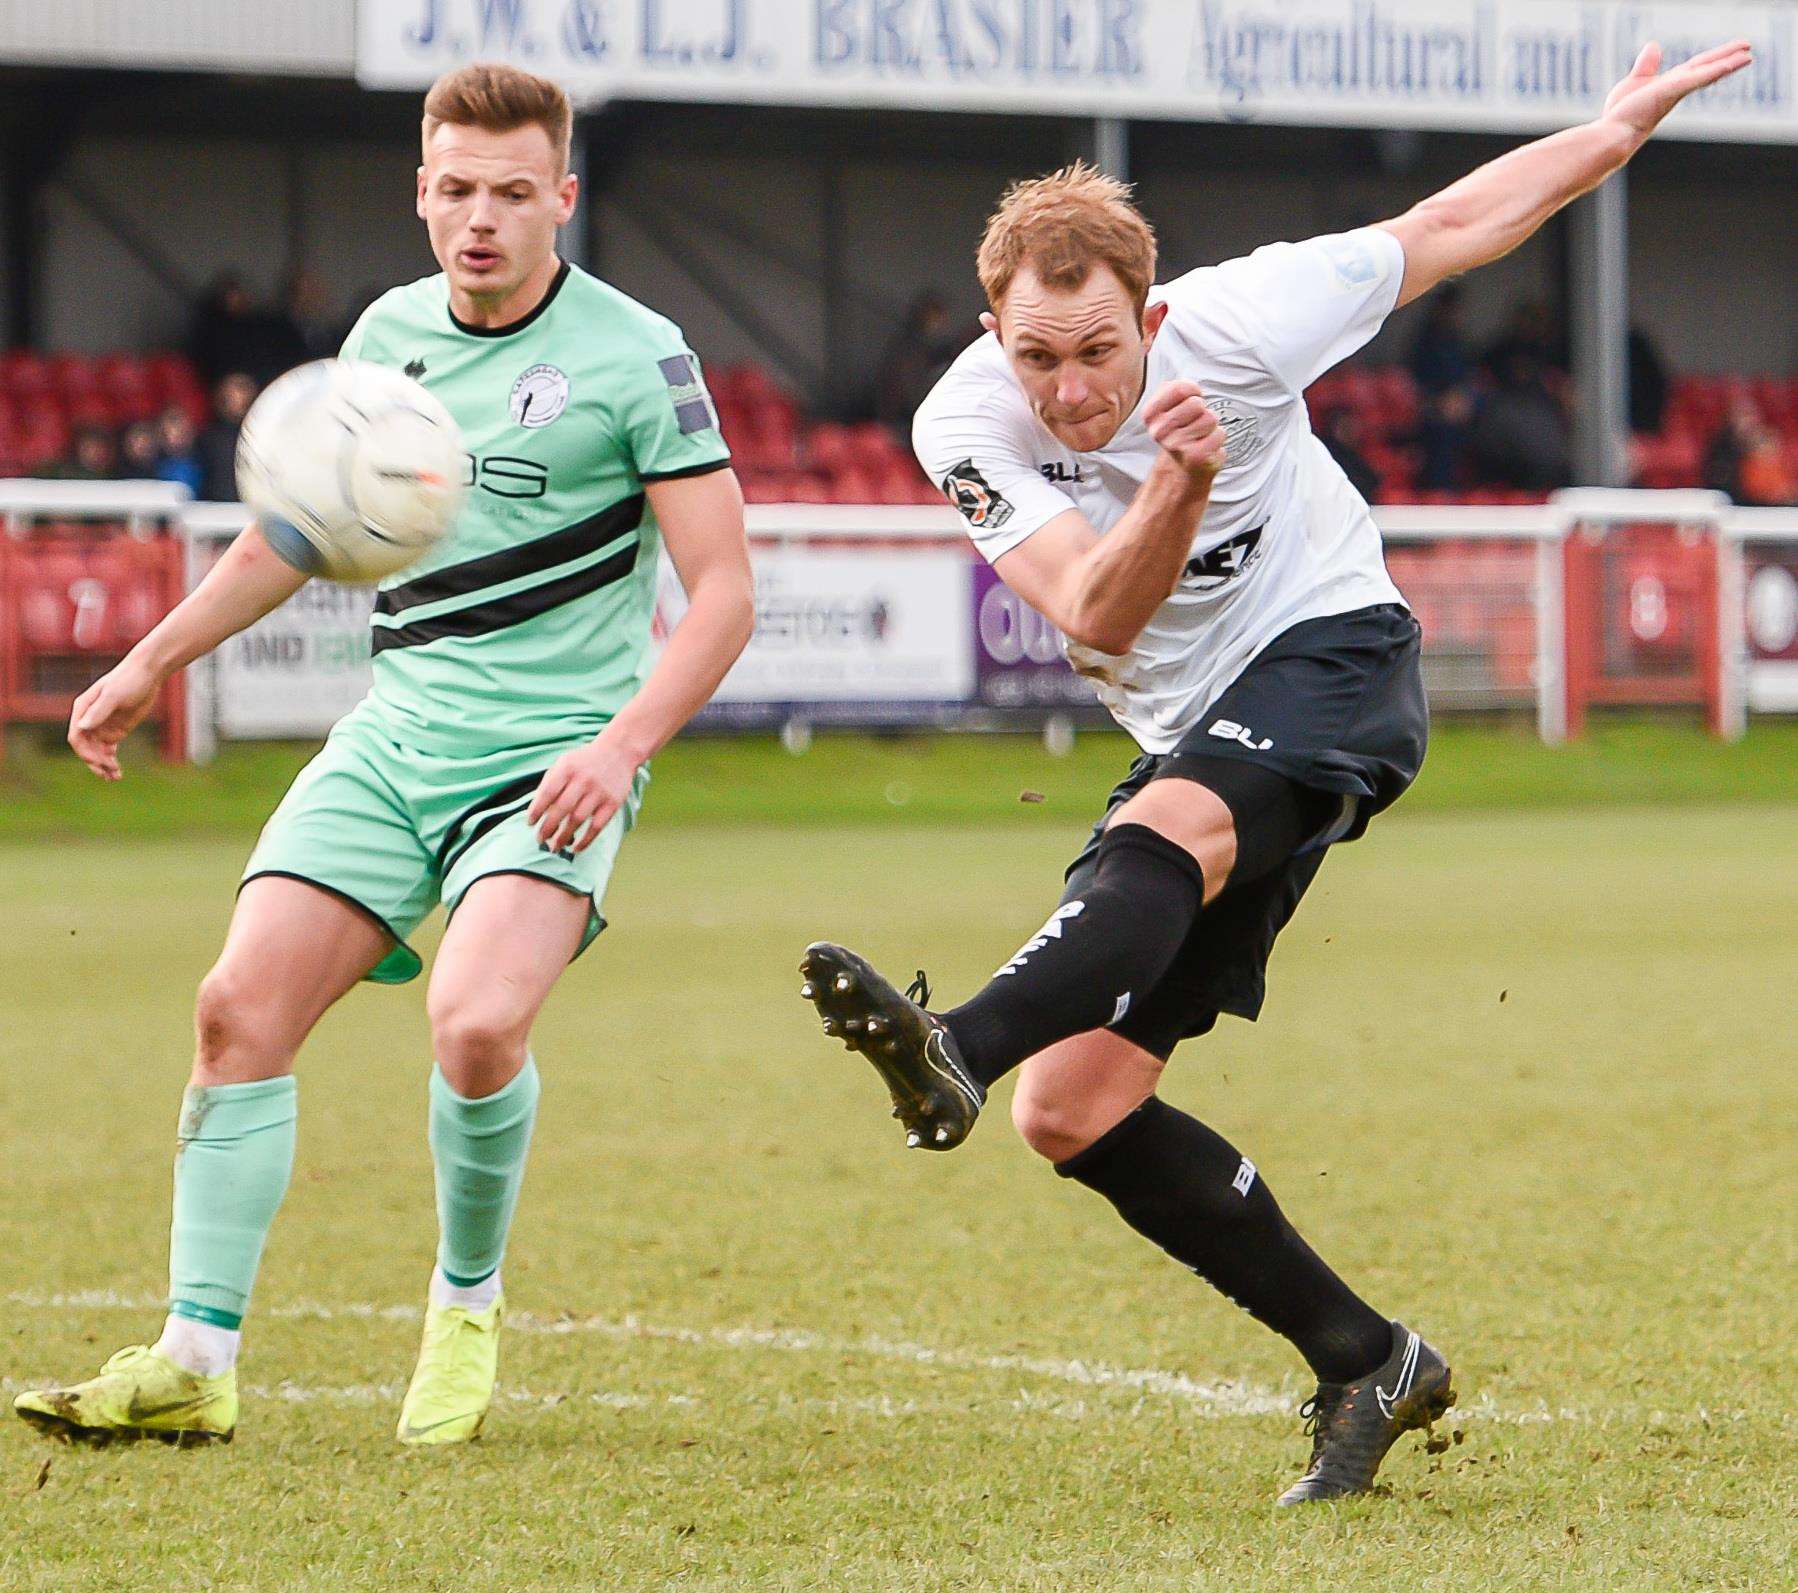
(354, 470)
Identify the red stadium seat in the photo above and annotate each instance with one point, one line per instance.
(1397, 403)
(94, 409)
(830, 448)
(763, 486)
(133, 397)
(24, 372)
(776, 434)
(42, 438)
(75, 376)
(852, 484)
(167, 373)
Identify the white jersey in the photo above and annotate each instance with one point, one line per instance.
(1284, 538)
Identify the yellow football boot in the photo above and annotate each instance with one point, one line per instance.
(138, 1394)
(453, 1384)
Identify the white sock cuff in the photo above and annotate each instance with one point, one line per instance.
(471, 1297)
(201, 1347)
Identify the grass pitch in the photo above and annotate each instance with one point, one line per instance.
(1526, 1077)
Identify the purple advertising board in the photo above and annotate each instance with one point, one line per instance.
(1018, 662)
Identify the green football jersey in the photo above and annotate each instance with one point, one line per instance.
(531, 619)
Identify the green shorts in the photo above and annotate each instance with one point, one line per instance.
(394, 831)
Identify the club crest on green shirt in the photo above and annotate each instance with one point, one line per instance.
(539, 396)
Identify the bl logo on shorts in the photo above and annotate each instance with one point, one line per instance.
(1229, 730)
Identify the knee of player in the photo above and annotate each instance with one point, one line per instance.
(234, 1036)
(1193, 818)
(1054, 1126)
(224, 1011)
(475, 1037)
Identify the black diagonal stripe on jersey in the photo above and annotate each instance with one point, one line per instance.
(527, 558)
(524, 786)
(481, 619)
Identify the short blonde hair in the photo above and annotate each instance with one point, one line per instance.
(1062, 226)
(500, 98)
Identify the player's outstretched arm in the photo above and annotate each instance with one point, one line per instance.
(1493, 209)
(248, 581)
(702, 523)
(1101, 591)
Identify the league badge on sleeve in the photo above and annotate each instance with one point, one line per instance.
(692, 404)
(982, 507)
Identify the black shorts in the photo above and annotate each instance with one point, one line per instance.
(1325, 728)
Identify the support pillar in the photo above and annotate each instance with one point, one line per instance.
(1598, 309)
(1111, 146)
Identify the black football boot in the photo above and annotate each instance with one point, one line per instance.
(1352, 1425)
(933, 1095)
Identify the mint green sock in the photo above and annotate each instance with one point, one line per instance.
(479, 1147)
(233, 1157)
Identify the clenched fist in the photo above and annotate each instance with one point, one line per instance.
(1181, 422)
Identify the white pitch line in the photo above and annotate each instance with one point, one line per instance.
(531, 1402)
(1215, 1399)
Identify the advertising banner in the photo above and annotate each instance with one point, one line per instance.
(299, 670)
(1486, 65)
(1772, 628)
(858, 635)
(1017, 655)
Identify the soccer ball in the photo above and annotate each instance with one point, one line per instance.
(354, 470)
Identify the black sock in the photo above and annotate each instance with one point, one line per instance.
(1099, 952)
(1191, 1192)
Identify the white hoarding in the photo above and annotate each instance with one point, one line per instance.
(852, 625)
(1502, 65)
(299, 670)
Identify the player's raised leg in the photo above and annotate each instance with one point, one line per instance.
(291, 951)
(510, 939)
(1166, 853)
(1089, 1106)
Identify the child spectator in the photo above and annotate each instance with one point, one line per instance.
(180, 459)
(140, 452)
(231, 400)
(95, 457)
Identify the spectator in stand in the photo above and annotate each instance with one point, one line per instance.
(1519, 437)
(180, 449)
(1745, 458)
(1531, 333)
(920, 351)
(231, 332)
(1647, 385)
(140, 452)
(94, 457)
(308, 315)
(225, 334)
(1340, 434)
(1442, 367)
(231, 400)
